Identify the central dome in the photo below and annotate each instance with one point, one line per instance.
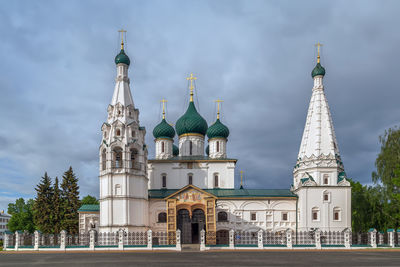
(191, 122)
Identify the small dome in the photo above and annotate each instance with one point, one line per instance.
(318, 70)
(175, 150)
(191, 122)
(122, 58)
(218, 130)
(208, 150)
(164, 130)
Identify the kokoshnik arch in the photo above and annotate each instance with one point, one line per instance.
(190, 186)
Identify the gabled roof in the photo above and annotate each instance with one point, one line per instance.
(187, 187)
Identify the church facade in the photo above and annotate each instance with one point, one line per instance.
(189, 185)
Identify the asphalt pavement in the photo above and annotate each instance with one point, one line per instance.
(208, 259)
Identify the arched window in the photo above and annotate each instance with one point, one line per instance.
(190, 147)
(336, 214)
(162, 217)
(118, 132)
(118, 190)
(103, 160)
(326, 196)
(217, 146)
(190, 178)
(162, 147)
(117, 157)
(326, 179)
(315, 214)
(134, 163)
(164, 180)
(222, 216)
(216, 180)
(133, 133)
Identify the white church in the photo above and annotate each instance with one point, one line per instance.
(190, 185)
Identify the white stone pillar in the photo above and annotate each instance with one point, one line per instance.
(289, 243)
(6, 240)
(91, 239)
(391, 237)
(178, 240)
(17, 237)
(318, 239)
(37, 237)
(260, 239)
(232, 239)
(380, 240)
(372, 234)
(202, 240)
(63, 239)
(347, 238)
(149, 239)
(121, 235)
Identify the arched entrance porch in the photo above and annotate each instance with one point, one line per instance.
(190, 222)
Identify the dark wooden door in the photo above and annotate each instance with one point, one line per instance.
(184, 224)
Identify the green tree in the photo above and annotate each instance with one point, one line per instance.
(360, 207)
(21, 215)
(70, 203)
(43, 208)
(89, 200)
(387, 176)
(57, 215)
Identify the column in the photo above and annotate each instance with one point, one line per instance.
(178, 240)
(63, 237)
(37, 237)
(92, 240)
(6, 240)
(260, 239)
(17, 237)
(347, 238)
(202, 240)
(149, 239)
(171, 221)
(231, 239)
(121, 235)
(391, 237)
(289, 238)
(372, 234)
(318, 239)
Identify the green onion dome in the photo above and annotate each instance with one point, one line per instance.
(164, 130)
(208, 150)
(191, 122)
(122, 58)
(318, 70)
(218, 130)
(175, 150)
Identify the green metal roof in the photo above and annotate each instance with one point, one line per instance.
(191, 122)
(192, 158)
(89, 207)
(164, 130)
(218, 129)
(318, 70)
(229, 193)
(175, 150)
(122, 58)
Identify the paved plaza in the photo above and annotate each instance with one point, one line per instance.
(232, 258)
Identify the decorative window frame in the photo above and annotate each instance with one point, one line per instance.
(339, 211)
(317, 210)
(326, 193)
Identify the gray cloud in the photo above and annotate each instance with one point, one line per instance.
(57, 78)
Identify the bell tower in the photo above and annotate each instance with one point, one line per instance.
(123, 159)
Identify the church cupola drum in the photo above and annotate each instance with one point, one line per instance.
(164, 135)
(217, 135)
(123, 159)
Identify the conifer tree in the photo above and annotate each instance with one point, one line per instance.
(70, 202)
(57, 215)
(43, 205)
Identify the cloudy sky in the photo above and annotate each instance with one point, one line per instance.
(57, 76)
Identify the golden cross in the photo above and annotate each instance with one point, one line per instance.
(163, 101)
(122, 31)
(318, 45)
(218, 101)
(241, 179)
(191, 78)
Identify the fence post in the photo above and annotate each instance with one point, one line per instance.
(202, 240)
(347, 238)
(6, 240)
(372, 234)
(232, 239)
(318, 239)
(289, 238)
(17, 237)
(36, 247)
(121, 234)
(149, 239)
(178, 240)
(63, 235)
(91, 239)
(260, 239)
(391, 237)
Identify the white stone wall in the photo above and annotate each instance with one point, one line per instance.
(213, 152)
(168, 151)
(197, 145)
(203, 174)
(87, 220)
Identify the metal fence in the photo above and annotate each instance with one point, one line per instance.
(160, 239)
(246, 238)
(135, 239)
(360, 239)
(303, 238)
(274, 238)
(49, 240)
(332, 238)
(107, 239)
